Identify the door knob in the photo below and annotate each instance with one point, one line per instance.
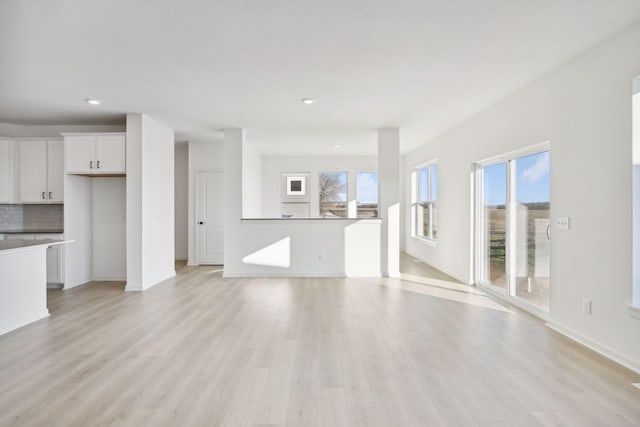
(200, 222)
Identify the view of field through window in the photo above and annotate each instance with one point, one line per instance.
(367, 194)
(531, 227)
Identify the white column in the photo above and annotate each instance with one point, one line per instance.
(150, 202)
(389, 200)
(233, 145)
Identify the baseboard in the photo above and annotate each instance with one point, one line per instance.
(623, 360)
(448, 273)
(109, 279)
(272, 275)
(22, 323)
(182, 258)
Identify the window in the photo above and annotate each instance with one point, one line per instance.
(425, 196)
(367, 194)
(333, 194)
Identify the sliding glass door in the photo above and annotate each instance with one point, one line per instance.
(494, 225)
(513, 225)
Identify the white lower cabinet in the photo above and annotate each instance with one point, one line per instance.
(55, 255)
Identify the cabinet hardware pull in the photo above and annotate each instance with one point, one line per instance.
(50, 195)
(91, 164)
(98, 164)
(43, 195)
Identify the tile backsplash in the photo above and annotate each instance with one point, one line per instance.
(31, 217)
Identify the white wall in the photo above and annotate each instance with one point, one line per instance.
(636, 191)
(282, 247)
(78, 226)
(274, 166)
(109, 229)
(251, 182)
(202, 156)
(150, 202)
(158, 214)
(584, 109)
(181, 184)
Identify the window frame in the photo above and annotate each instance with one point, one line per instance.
(430, 203)
(377, 203)
(346, 192)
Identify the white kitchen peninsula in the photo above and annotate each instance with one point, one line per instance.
(23, 282)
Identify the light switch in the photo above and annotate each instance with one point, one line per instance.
(562, 223)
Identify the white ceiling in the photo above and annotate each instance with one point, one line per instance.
(201, 66)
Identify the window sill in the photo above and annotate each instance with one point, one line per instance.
(634, 311)
(428, 242)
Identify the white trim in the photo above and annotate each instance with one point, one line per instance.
(181, 258)
(448, 273)
(634, 311)
(422, 165)
(23, 323)
(109, 278)
(512, 155)
(426, 241)
(515, 301)
(607, 352)
(292, 275)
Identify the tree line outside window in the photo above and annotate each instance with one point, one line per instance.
(333, 194)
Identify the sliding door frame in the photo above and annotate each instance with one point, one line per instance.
(509, 291)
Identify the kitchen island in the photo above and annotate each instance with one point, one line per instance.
(23, 282)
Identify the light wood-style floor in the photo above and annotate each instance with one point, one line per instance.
(202, 350)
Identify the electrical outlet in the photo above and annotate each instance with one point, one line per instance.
(562, 223)
(586, 306)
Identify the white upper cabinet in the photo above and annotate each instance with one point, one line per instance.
(41, 171)
(6, 172)
(79, 154)
(55, 171)
(95, 154)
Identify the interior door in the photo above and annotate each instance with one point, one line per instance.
(210, 217)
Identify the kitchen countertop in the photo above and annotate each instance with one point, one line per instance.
(39, 231)
(11, 246)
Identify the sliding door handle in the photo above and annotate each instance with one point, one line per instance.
(98, 164)
(549, 231)
(50, 193)
(43, 197)
(91, 164)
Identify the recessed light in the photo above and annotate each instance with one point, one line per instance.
(336, 145)
(93, 101)
(308, 101)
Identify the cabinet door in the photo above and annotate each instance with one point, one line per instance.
(55, 171)
(79, 154)
(33, 171)
(6, 172)
(110, 153)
